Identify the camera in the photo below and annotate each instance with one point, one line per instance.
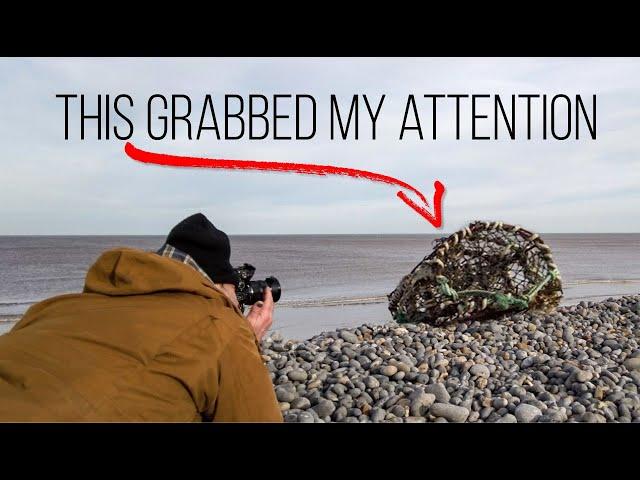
(252, 291)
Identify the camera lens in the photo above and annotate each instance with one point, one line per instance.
(274, 284)
(254, 291)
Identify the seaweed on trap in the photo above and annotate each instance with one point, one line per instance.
(482, 271)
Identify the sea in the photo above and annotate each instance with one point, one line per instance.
(328, 281)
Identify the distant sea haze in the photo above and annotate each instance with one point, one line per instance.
(328, 281)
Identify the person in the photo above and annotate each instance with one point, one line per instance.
(154, 336)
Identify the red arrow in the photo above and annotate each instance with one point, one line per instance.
(434, 219)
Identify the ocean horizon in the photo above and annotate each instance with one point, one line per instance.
(328, 280)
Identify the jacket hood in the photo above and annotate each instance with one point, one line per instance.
(127, 271)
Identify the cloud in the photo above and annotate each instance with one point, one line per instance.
(53, 186)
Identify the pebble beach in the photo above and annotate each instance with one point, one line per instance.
(580, 363)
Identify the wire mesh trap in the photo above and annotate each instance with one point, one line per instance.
(482, 271)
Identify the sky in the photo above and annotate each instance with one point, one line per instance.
(53, 186)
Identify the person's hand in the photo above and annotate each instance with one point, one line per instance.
(260, 316)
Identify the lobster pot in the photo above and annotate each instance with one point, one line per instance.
(482, 271)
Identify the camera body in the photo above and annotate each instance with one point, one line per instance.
(250, 291)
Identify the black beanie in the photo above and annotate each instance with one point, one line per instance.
(209, 247)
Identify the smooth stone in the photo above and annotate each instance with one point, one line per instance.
(389, 370)
(517, 391)
(632, 364)
(348, 336)
(480, 370)
(305, 417)
(371, 382)
(578, 409)
(402, 367)
(526, 413)
(426, 399)
(377, 414)
(508, 418)
(349, 352)
(340, 414)
(473, 417)
(339, 389)
(331, 396)
(290, 417)
(392, 400)
(439, 391)
(324, 408)
(452, 413)
(398, 376)
(284, 394)
(420, 403)
(398, 411)
(583, 376)
(301, 403)
(590, 417)
(314, 384)
(499, 403)
(298, 375)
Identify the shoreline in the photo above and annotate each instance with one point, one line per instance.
(299, 320)
(579, 363)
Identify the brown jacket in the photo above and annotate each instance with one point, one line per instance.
(149, 339)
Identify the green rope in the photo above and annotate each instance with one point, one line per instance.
(552, 275)
(445, 288)
(400, 317)
(505, 302)
(500, 300)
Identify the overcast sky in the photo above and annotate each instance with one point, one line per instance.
(53, 186)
